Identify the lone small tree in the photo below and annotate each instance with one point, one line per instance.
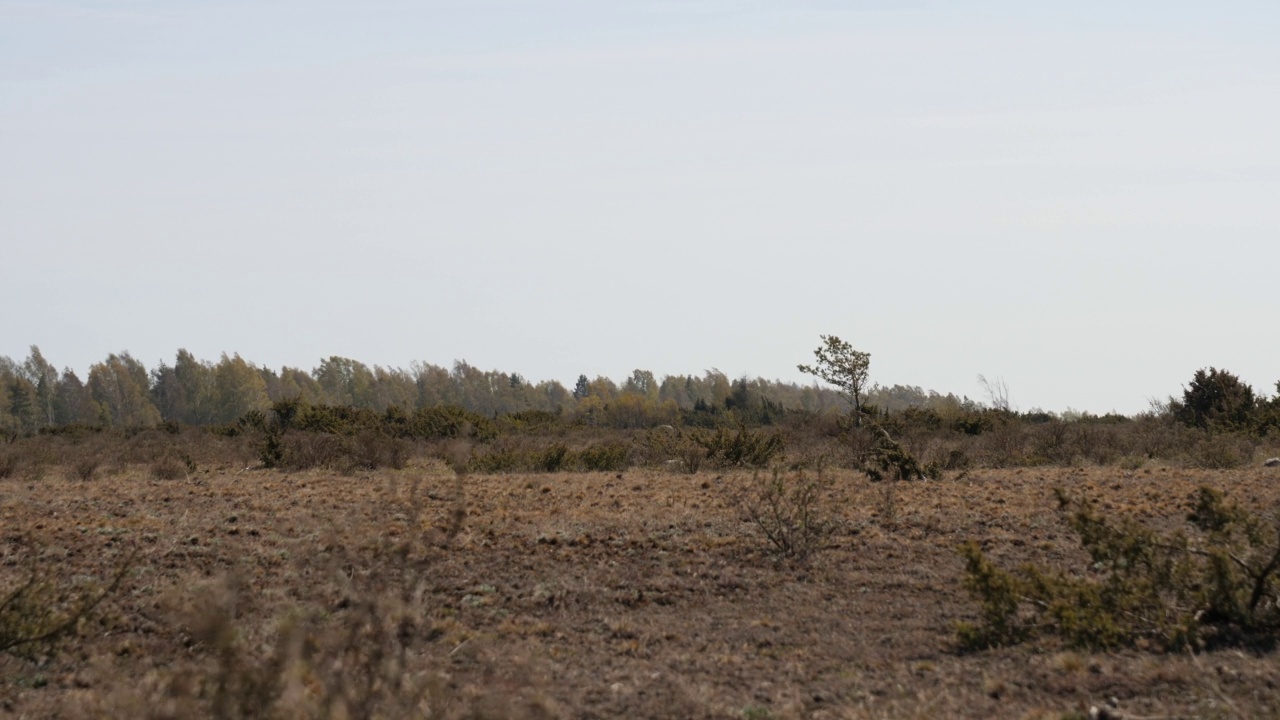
(840, 365)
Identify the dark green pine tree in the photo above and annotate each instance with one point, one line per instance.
(582, 388)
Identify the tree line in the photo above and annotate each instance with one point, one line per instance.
(121, 391)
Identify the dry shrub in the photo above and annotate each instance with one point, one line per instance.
(169, 468)
(667, 446)
(8, 464)
(84, 468)
(46, 604)
(305, 450)
(1100, 444)
(31, 458)
(145, 446)
(372, 658)
(522, 454)
(724, 448)
(1002, 446)
(1054, 444)
(457, 455)
(372, 449)
(1222, 451)
(789, 512)
(506, 455)
(361, 645)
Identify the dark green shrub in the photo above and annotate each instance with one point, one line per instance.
(973, 423)
(43, 608)
(1268, 414)
(74, 431)
(672, 448)
(888, 460)
(253, 420)
(553, 459)
(335, 419)
(450, 421)
(1216, 399)
(1243, 554)
(286, 410)
(499, 460)
(272, 451)
(605, 457)
(1215, 584)
(530, 421)
(999, 595)
(742, 447)
(956, 459)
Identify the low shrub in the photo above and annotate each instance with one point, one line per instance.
(889, 460)
(788, 512)
(605, 457)
(1216, 582)
(667, 446)
(521, 457)
(363, 646)
(446, 422)
(530, 421)
(170, 468)
(742, 447)
(1221, 451)
(45, 607)
(85, 468)
(8, 464)
(553, 459)
(305, 450)
(372, 449)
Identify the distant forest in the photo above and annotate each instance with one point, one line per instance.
(121, 391)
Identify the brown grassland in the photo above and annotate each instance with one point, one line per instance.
(415, 592)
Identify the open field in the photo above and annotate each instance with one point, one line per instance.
(636, 594)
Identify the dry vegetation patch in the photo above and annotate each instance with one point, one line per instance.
(585, 594)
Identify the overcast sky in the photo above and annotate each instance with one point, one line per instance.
(1084, 202)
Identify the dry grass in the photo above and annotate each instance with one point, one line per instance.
(633, 594)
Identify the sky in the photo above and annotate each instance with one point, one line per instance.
(1082, 201)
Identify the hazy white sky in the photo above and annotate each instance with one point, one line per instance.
(1084, 201)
